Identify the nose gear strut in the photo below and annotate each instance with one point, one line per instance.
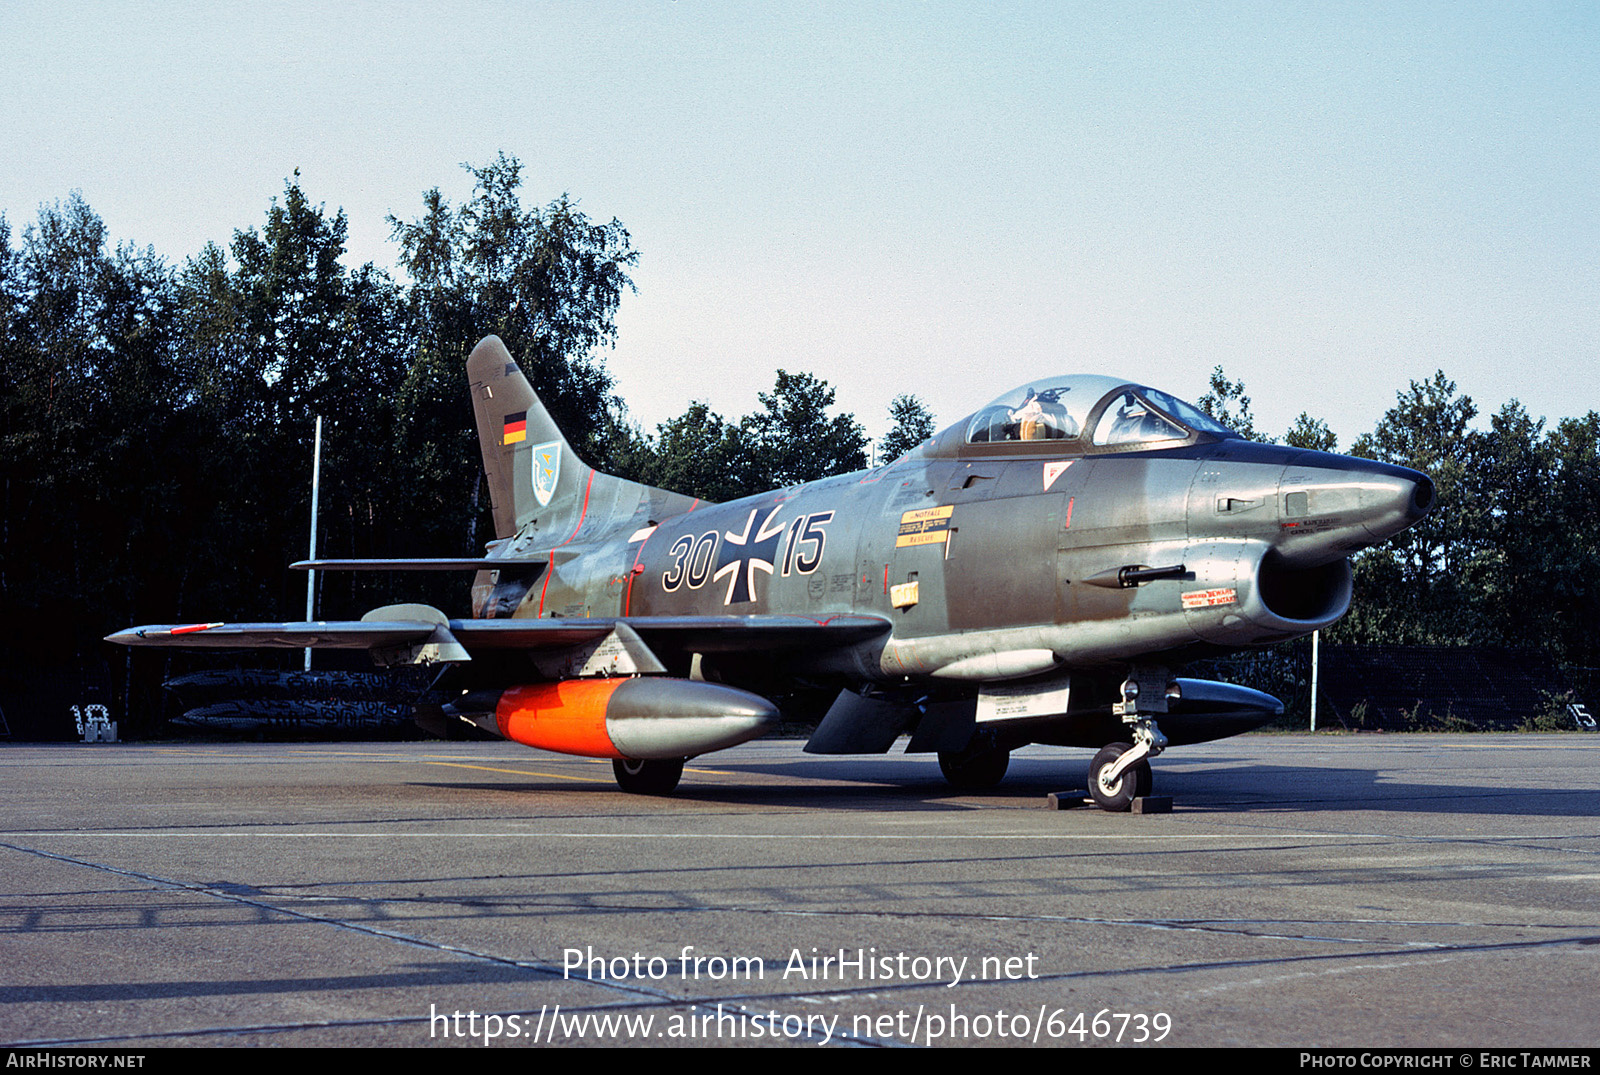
(1121, 772)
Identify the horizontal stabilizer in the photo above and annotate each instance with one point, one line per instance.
(470, 563)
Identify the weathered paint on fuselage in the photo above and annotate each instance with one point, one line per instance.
(1001, 560)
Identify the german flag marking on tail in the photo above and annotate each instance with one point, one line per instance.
(516, 428)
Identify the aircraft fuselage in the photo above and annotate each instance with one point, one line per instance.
(997, 568)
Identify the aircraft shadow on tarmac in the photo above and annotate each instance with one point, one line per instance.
(1218, 784)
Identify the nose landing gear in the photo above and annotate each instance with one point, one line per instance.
(1120, 772)
(1114, 787)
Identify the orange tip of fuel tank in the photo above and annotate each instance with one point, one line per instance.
(568, 717)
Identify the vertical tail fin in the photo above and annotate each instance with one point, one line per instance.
(533, 472)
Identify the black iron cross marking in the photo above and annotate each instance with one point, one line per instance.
(741, 556)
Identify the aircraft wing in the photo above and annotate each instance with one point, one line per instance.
(337, 634)
(732, 634)
(709, 634)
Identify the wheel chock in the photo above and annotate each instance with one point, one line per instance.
(1144, 804)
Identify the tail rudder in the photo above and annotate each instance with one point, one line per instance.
(532, 471)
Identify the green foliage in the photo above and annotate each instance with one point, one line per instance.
(1412, 720)
(1311, 433)
(156, 424)
(1416, 719)
(1226, 402)
(546, 281)
(1554, 715)
(1449, 722)
(793, 440)
(1556, 579)
(291, 294)
(90, 416)
(699, 454)
(1509, 555)
(1419, 587)
(913, 424)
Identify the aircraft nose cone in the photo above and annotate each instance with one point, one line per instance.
(1395, 498)
(1333, 505)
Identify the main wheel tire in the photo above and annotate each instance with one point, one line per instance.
(1135, 782)
(974, 770)
(648, 777)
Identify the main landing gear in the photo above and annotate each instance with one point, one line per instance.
(648, 777)
(976, 768)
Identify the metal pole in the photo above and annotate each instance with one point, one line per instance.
(316, 489)
(1315, 637)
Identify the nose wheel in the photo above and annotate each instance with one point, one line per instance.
(1120, 772)
(1114, 788)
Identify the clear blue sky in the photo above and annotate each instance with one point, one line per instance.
(1328, 200)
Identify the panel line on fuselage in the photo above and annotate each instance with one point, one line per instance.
(551, 570)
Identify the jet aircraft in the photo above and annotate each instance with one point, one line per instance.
(1033, 574)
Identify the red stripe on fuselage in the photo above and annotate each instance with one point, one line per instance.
(627, 600)
(551, 569)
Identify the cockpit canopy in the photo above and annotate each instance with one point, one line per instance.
(1063, 409)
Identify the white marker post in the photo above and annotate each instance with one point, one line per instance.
(316, 488)
(1315, 635)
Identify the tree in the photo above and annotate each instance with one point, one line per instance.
(1226, 402)
(292, 295)
(699, 454)
(285, 333)
(793, 440)
(1521, 542)
(88, 394)
(1573, 574)
(1311, 433)
(1540, 556)
(1423, 586)
(548, 282)
(913, 424)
